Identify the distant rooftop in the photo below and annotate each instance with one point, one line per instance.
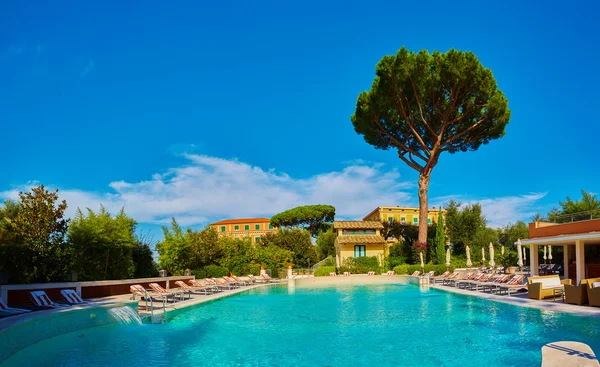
(244, 221)
(357, 224)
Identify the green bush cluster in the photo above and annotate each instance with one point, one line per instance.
(324, 271)
(210, 271)
(361, 265)
(409, 269)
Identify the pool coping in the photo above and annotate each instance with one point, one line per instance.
(523, 301)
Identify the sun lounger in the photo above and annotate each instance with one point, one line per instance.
(513, 285)
(72, 297)
(221, 283)
(391, 272)
(371, 273)
(10, 311)
(484, 281)
(416, 274)
(452, 281)
(41, 300)
(439, 277)
(243, 281)
(450, 278)
(332, 274)
(256, 280)
(198, 284)
(429, 274)
(499, 280)
(268, 278)
(173, 294)
(234, 282)
(463, 282)
(189, 289)
(347, 274)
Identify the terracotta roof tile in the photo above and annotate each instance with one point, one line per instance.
(243, 221)
(357, 224)
(362, 238)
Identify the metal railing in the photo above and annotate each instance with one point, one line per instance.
(573, 217)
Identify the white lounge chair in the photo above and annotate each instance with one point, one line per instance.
(10, 311)
(40, 299)
(72, 297)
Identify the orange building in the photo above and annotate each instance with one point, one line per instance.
(254, 228)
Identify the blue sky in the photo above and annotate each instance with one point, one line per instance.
(211, 110)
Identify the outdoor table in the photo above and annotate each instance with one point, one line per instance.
(558, 291)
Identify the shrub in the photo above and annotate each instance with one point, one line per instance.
(324, 271)
(210, 271)
(362, 265)
(401, 269)
(393, 261)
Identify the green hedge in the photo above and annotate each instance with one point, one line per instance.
(324, 271)
(361, 265)
(409, 269)
(210, 271)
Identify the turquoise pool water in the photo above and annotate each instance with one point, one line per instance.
(377, 325)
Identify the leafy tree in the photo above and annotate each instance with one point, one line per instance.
(41, 226)
(326, 244)
(103, 245)
(511, 233)
(240, 256)
(304, 253)
(313, 218)
(537, 217)
(391, 229)
(274, 258)
(426, 104)
(174, 251)
(41, 221)
(573, 210)
(143, 259)
(205, 247)
(462, 223)
(482, 239)
(16, 259)
(440, 240)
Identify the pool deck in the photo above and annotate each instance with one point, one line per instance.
(520, 299)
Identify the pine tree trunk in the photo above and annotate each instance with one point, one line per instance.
(423, 206)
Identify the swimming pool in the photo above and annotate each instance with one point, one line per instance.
(375, 325)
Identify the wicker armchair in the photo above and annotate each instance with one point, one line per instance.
(593, 292)
(540, 287)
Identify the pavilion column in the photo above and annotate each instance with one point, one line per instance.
(533, 259)
(566, 260)
(579, 261)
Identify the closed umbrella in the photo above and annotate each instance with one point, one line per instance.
(448, 256)
(549, 252)
(520, 253)
(502, 250)
(524, 254)
(421, 257)
(468, 250)
(482, 254)
(544, 253)
(492, 263)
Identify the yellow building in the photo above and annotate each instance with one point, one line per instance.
(357, 239)
(402, 214)
(253, 228)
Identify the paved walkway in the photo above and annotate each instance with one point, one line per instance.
(520, 299)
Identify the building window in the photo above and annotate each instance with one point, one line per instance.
(403, 220)
(256, 239)
(360, 250)
(257, 226)
(270, 226)
(222, 228)
(428, 220)
(353, 231)
(236, 228)
(365, 231)
(246, 227)
(390, 219)
(415, 220)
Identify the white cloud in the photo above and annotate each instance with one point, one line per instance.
(502, 210)
(209, 188)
